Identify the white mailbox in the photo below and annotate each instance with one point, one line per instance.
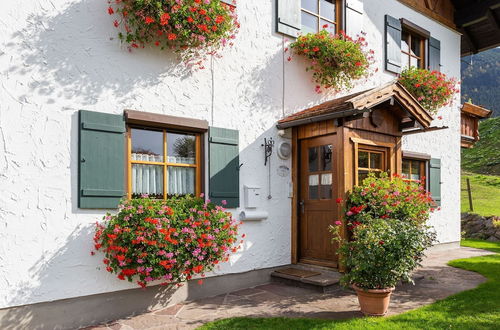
(252, 197)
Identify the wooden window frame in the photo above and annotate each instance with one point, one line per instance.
(414, 30)
(370, 149)
(423, 159)
(338, 15)
(199, 160)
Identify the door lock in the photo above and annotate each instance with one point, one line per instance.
(302, 206)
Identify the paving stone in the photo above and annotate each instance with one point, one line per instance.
(436, 281)
(172, 310)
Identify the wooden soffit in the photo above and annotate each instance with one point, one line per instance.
(358, 103)
(476, 110)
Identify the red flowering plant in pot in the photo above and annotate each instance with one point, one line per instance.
(336, 60)
(386, 218)
(194, 28)
(432, 89)
(169, 241)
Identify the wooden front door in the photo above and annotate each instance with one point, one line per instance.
(317, 208)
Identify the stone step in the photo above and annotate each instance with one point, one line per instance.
(326, 281)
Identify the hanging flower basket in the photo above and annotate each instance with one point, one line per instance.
(194, 28)
(336, 60)
(169, 241)
(432, 89)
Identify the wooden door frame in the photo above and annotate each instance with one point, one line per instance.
(295, 231)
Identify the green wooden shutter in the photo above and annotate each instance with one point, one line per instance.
(224, 162)
(288, 17)
(434, 54)
(435, 180)
(392, 44)
(101, 170)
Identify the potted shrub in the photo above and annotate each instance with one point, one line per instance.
(194, 28)
(336, 60)
(388, 237)
(432, 89)
(169, 241)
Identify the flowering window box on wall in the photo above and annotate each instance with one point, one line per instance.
(194, 28)
(336, 60)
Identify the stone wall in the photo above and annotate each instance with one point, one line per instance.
(479, 227)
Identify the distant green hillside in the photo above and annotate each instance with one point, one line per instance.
(485, 156)
(481, 79)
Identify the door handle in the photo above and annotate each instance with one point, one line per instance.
(302, 206)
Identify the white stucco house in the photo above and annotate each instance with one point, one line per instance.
(77, 107)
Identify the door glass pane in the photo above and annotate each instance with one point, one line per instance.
(181, 180)
(309, 23)
(362, 174)
(415, 170)
(404, 42)
(311, 5)
(313, 186)
(147, 179)
(363, 159)
(330, 27)
(406, 169)
(147, 145)
(181, 148)
(326, 186)
(327, 9)
(326, 155)
(376, 160)
(313, 159)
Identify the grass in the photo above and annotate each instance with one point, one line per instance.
(485, 156)
(485, 194)
(473, 309)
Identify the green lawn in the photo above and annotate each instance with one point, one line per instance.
(485, 194)
(473, 309)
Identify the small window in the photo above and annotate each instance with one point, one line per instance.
(163, 163)
(414, 170)
(413, 44)
(319, 15)
(370, 160)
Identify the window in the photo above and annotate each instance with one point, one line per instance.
(320, 176)
(415, 166)
(412, 50)
(316, 14)
(163, 163)
(413, 170)
(370, 160)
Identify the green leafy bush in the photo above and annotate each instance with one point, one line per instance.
(383, 252)
(168, 241)
(336, 59)
(388, 235)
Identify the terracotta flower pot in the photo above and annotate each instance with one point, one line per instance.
(374, 302)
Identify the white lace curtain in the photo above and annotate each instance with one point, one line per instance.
(148, 179)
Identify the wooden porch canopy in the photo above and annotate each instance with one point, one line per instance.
(469, 126)
(413, 115)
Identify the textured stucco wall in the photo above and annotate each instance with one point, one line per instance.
(58, 56)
